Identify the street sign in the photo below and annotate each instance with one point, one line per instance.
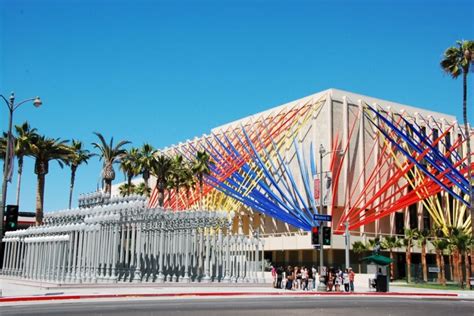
(322, 217)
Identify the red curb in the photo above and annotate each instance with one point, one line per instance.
(103, 296)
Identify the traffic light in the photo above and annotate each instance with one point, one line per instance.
(12, 218)
(315, 236)
(326, 236)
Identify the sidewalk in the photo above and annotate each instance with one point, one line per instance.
(19, 291)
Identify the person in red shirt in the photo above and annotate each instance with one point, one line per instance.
(351, 279)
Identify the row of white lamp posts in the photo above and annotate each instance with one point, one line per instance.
(124, 241)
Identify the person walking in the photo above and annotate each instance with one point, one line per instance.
(304, 278)
(345, 280)
(274, 276)
(315, 275)
(298, 278)
(289, 278)
(279, 273)
(351, 279)
(338, 280)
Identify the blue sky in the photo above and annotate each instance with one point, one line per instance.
(166, 71)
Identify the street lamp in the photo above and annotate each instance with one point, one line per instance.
(322, 153)
(9, 160)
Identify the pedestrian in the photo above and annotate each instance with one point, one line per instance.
(338, 280)
(310, 279)
(330, 279)
(289, 278)
(315, 275)
(351, 279)
(274, 275)
(304, 278)
(298, 278)
(279, 273)
(345, 280)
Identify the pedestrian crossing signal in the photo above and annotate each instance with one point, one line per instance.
(12, 218)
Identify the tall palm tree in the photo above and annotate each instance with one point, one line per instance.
(24, 137)
(359, 248)
(161, 169)
(440, 246)
(189, 183)
(177, 175)
(410, 237)
(130, 165)
(456, 61)
(43, 150)
(390, 243)
(422, 240)
(110, 154)
(202, 167)
(147, 156)
(78, 156)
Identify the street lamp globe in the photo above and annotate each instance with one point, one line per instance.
(37, 102)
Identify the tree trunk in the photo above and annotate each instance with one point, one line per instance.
(71, 186)
(161, 193)
(146, 177)
(408, 260)
(40, 198)
(438, 264)
(443, 272)
(423, 262)
(456, 265)
(129, 183)
(461, 272)
(108, 186)
(469, 160)
(18, 184)
(201, 184)
(467, 267)
(451, 267)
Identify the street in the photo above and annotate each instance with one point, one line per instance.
(353, 306)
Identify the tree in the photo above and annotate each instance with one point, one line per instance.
(109, 154)
(456, 61)
(201, 168)
(147, 157)
(177, 175)
(161, 169)
(410, 236)
(24, 137)
(130, 165)
(461, 242)
(389, 243)
(422, 239)
(359, 248)
(440, 246)
(189, 182)
(126, 188)
(142, 189)
(43, 150)
(78, 156)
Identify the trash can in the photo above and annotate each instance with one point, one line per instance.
(382, 284)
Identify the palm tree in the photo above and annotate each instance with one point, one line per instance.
(440, 246)
(189, 183)
(126, 188)
(461, 242)
(44, 150)
(177, 175)
(410, 236)
(389, 243)
(24, 137)
(130, 165)
(161, 169)
(202, 167)
(142, 189)
(147, 156)
(456, 61)
(110, 154)
(359, 248)
(422, 239)
(78, 157)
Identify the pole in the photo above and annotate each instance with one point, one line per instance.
(321, 287)
(6, 166)
(348, 243)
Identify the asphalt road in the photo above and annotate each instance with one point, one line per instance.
(273, 306)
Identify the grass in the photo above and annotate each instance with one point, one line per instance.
(434, 286)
